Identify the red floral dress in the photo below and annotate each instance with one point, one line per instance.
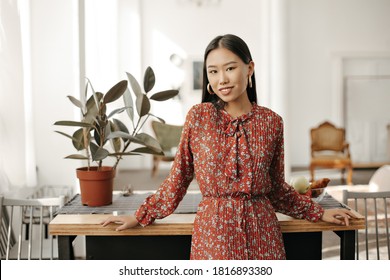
(239, 166)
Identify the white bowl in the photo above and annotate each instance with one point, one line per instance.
(318, 194)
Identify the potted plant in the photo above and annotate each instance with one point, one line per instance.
(100, 135)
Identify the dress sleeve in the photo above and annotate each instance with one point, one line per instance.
(282, 196)
(172, 190)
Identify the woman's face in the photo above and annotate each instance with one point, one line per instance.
(228, 75)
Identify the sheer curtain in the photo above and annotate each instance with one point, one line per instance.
(30, 161)
(17, 155)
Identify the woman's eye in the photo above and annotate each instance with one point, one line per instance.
(230, 69)
(212, 71)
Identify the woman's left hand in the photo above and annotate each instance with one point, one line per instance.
(338, 216)
(128, 221)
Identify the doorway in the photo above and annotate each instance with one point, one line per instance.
(367, 109)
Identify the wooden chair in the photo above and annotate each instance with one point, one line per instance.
(374, 239)
(169, 137)
(12, 211)
(329, 149)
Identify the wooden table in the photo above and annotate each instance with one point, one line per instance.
(170, 238)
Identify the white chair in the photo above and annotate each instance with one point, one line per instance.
(13, 246)
(45, 192)
(374, 206)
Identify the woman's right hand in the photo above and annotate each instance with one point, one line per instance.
(125, 222)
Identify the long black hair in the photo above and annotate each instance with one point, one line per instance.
(236, 45)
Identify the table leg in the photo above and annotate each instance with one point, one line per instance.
(347, 244)
(303, 245)
(65, 247)
(168, 247)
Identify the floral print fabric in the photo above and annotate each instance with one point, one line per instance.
(239, 166)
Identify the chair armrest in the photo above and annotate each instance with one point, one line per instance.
(346, 149)
(312, 150)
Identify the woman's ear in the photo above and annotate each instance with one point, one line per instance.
(251, 67)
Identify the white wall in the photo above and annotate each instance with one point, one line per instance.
(319, 30)
(149, 31)
(53, 68)
(181, 27)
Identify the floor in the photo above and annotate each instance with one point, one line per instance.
(142, 180)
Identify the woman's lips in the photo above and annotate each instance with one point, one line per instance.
(225, 90)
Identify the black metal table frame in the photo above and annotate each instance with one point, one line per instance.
(299, 246)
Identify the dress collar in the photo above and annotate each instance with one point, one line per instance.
(244, 117)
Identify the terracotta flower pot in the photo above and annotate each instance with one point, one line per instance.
(96, 186)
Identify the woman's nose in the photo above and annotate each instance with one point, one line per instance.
(223, 79)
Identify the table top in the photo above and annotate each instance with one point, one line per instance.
(175, 224)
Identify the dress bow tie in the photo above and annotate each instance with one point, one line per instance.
(238, 161)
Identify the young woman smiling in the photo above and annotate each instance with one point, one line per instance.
(234, 147)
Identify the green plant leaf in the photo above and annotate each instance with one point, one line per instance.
(124, 154)
(73, 123)
(121, 126)
(77, 156)
(164, 95)
(143, 105)
(76, 143)
(91, 101)
(107, 130)
(102, 113)
(92, 110)
(123, 135)
(128, 100)
(98, 153)
(75, 102)
(134, 85)
(148, 141)
(78, 139)
(93, 147)
(115, 92)
(149, 79)
(146, 150)
(116, 111)
(160, 119)
(86, 89)
(94, 94)
(97, 133)
(116, 143)
(142, 139)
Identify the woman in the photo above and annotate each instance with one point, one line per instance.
(235, 149)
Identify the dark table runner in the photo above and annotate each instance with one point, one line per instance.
(128, 204)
